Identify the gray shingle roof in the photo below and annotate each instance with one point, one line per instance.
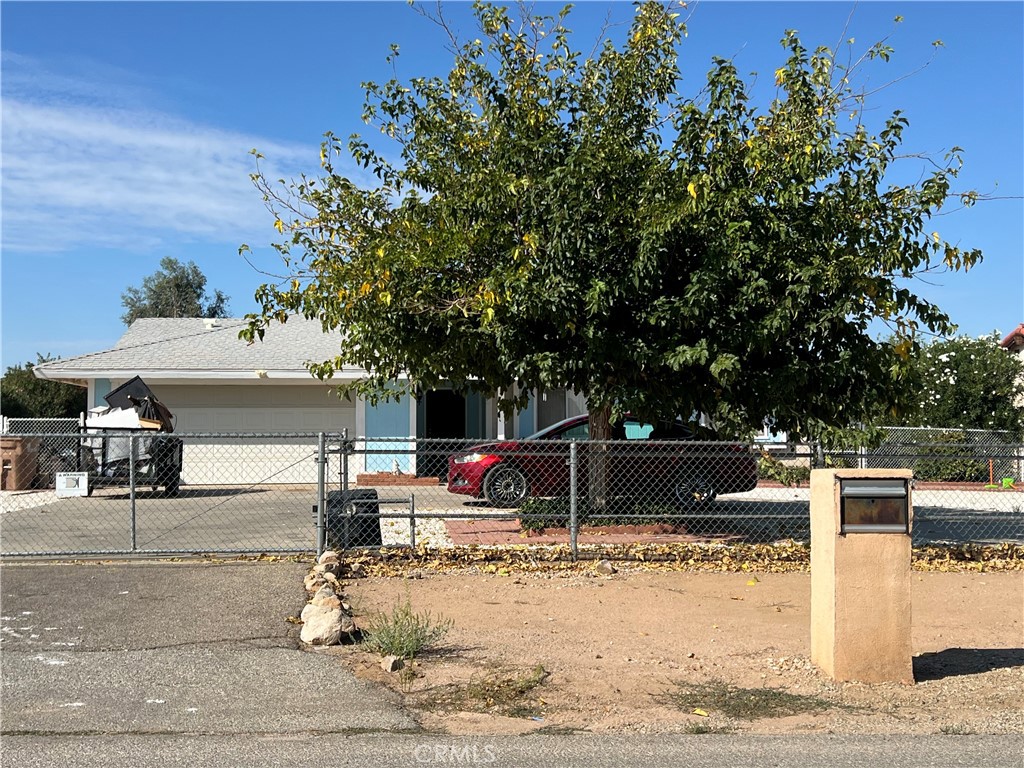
(189, 345)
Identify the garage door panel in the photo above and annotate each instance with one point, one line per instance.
(245, 460)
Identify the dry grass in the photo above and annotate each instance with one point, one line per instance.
(716, 696)
(511, 694)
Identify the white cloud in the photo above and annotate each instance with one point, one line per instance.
(83, 166)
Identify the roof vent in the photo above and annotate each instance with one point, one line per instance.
(210, 323)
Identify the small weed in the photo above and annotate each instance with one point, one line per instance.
(502, 694)
(701, 727)
(407, 676)
(744, 703)
(957, 729)
(506, 694)
(538, 514)
(404, 633)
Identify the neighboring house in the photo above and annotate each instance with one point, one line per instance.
(212, 381)
(1014, 341)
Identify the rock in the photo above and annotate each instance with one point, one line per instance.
(391, 664)
(355, 569)
(329, 556)
(321, 626)
(348, 625)
(326, 598)
(605, 567)
(327, 568)
(313, 582)
(309, 610)
(324, 592)
(331, 602)
(330, 578)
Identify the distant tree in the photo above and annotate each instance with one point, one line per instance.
(22, 394)
(969, 383)
(174, 290)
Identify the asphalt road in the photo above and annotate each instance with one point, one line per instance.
(587, 751)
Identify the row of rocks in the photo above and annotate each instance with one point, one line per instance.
(327, 618)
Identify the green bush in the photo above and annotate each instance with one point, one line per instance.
(538, 514)
(953, 463)
(404, 633)
(770, 468)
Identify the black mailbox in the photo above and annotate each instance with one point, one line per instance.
(874, 505)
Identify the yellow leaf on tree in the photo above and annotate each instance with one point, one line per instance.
(692, 189)
(279, 225)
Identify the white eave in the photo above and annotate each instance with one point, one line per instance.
(79, 375)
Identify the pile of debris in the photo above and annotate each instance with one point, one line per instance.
(327, 618)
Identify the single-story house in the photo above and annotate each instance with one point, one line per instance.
(214, 382)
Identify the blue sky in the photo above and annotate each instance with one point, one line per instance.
(127, 126)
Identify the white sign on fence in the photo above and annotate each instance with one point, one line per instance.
(72, 484)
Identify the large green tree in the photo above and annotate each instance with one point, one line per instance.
(969, 383)
(550, 220)
(174, 290)
(23, 395)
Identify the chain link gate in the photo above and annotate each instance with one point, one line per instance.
(228, 494)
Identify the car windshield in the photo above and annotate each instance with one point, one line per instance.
(555, 431)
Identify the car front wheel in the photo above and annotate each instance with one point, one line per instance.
(694, 492)
(506, 487)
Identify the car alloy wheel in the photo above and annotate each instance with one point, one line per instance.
(694, 492)
(506, 487)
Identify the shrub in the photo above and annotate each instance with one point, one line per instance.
(953, 463)
(404, 633)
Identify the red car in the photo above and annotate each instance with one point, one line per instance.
(676, 462)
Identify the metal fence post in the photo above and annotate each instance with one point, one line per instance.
(412, 520)
(321, 493)
(574, 527)
(132, 454)
(346, 450)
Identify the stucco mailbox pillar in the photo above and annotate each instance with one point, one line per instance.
(861, 521)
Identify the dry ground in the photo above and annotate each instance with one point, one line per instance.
(623, 652)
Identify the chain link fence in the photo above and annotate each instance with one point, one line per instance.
(135, 493)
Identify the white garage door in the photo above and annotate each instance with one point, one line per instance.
(241, 410)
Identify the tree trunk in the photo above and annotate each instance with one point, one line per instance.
(597, 474)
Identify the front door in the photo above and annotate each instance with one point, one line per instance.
(443, 422)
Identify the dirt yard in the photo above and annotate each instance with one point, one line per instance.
(670, 652)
